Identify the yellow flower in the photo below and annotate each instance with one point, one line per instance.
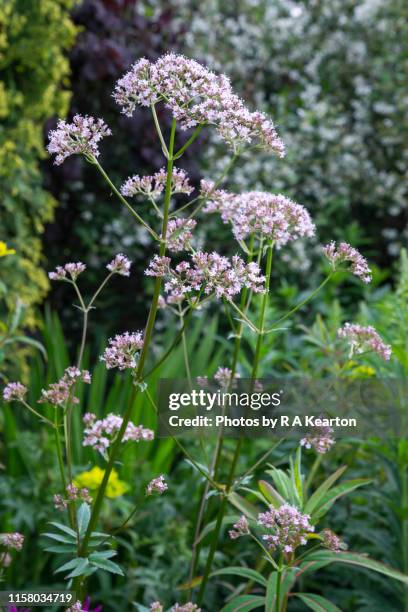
(4, 250)
(92, 480)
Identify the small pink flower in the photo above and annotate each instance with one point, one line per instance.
(79, 137)
(321, 439)
(346, 253)
(14, 391)
(332, 541)
(288, 525)
(157, 485)
(60, 392)
(120, 265)
(12, 540)
(224, 377)
(240, 528)
(362, 339)
(100, 433)
(179, 234)
(123, 351)
(153, 186)
(73, 269)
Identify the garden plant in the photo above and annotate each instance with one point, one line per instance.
(281, 519)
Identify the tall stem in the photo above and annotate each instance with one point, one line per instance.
(143, 355)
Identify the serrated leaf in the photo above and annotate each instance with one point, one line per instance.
(83, 517)
(244, 572)
(108, 566)
(80, 569)
(69, 565)
(244, 603)
(103, 554)
(317, 602)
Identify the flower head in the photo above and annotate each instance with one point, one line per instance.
(100, 432)
(92, 480)
(224, 377)
(74, 493)
(320, 439)
(14, 391)
(123, 351)
(179, 234)
(73, 269)
(153, 186)
(346, 253)
(156, 607)
(157, 485)
(241, 528)
(208, 274)
(289, 528)
(120, 265)
(362, 339)
(61, 391)
(195, 96)
(267, 216)
(12, 540)
(79, 137)
(332, 541)
(187, 607)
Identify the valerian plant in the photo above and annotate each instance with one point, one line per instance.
(262, 225)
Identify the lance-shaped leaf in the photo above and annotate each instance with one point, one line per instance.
(318, 495)
(270, 494)
(335, 493)
(244, 603)
(83, 517)
(318, 559)
(244, 572)
(317, 603)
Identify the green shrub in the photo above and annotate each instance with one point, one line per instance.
(33, 80)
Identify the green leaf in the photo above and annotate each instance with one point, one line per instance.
(331, 496)
(318, 495)
(244, 603)
(69, 565)
(317, 603)
(297, 475)
(83, 517)
(102, 554)
(107, 565)
(282, 483)
(244, 572)
(271, 591)
(80, 569)
(321, 558)
(270, 494)
(64, 528)
(30, 342)
(61, 548)
(243, 505)
(60, 538)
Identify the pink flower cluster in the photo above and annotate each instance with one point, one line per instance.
(79, 137)
(156, 606)
(14, 391)
(240, 528)
(157, 485)
(362, 339)
(195, 96)
(123, 351)
(208, 273)
(120, 265)
(269, 216)
(290, 528)
(99, 433)
(332, 541)
(346, 253)
(320, 439)
(73, 494)
(223, 376)
(73, 269)
(179, 234)
(12, 540)
(61, 391)
(153, 186)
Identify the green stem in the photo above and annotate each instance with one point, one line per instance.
(302, 303)
(159, 132)
(143, 356)
(124, 201)
(278, 588)
(192, 138)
